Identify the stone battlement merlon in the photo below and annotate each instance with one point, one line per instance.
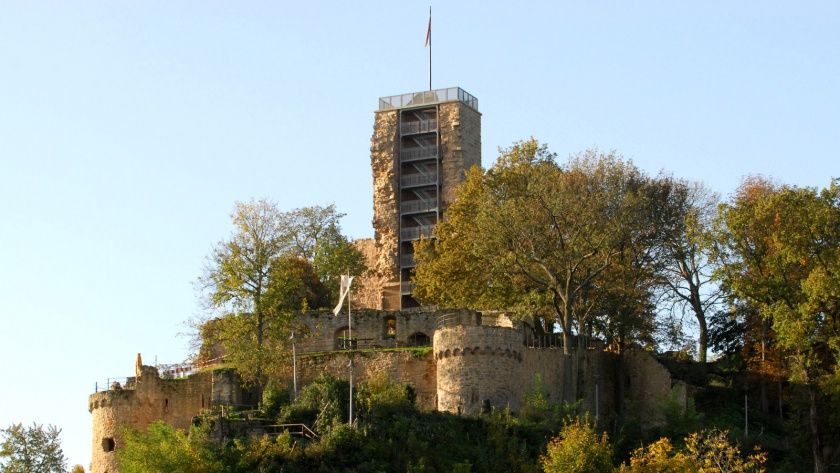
(428, 97)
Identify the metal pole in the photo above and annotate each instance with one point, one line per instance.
(350, 331)
(430, 47)
(294, 367)
(596, 401)
(746, 417)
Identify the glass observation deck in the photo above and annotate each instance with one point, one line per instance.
(428, 97)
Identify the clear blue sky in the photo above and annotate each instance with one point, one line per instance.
(128, 129)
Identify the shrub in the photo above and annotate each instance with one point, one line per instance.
(708, 451)
(578, 449)
(163, 448)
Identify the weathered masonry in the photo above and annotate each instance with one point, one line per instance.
(422, 144)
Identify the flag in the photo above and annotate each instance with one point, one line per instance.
(429, 30)
(342, 293)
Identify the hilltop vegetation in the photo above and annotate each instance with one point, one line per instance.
(391, 435)
(590, 247)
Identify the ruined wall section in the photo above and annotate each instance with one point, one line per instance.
(368, 328)
(175, 401)
(460, 141)
(384, 146)
(478, 364)
(406, 366)
(367, 287)
(647, 385)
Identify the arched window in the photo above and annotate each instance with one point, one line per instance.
(419, 339)
(389, 327)
(342, 338)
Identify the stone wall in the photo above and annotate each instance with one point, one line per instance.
(398, 366)
(367, 288)
(368, 328)
(647, 385)
(384, 146)
(460, 141)
(475, 359)
(478, 364)
(148, 398)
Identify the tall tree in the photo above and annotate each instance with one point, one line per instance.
(315, 233)
(531, 236)
(29, 449)
(238, 274)
(265, 273)
(687, 216)
(783, 248)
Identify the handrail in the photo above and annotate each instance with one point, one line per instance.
(428, 97)
(418, 126)
(416, 154)
(407, 287)
(305, 431)
(414, 233)
(423, 205)
(407, 261)
(418, 180)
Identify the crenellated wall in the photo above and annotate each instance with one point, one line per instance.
(147, 398)
(475, 360)
(477, 363)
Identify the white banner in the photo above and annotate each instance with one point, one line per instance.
(346, 281)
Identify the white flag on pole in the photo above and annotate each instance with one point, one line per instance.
(345, 288)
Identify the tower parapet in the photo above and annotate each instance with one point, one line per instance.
(143, 399)
(477, 365)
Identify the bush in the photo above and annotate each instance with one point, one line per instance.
(163, 448)
(379, 396)
(321, 405)
(708, 451)
(578, 449)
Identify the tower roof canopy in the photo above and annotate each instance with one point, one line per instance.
(428, 97)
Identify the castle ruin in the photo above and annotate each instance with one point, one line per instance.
(421, 147)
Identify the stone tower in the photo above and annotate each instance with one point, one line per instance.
(422, 145)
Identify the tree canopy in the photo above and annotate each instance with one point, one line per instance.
(33, 448)
(782, 245)
(534, 237)
(274, 265)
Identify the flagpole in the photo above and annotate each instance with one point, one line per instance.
(350, 332)
(430, 47)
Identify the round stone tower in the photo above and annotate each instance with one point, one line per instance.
(477, 365)
(117, 407)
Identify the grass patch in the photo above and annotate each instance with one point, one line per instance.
(416, 352)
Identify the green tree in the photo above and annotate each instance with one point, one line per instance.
(30, 449)
(531, 236)
(164, 448)
(783, 250)
(315, 233)
(274, 266)
(293, 287)
(578, 449)
(238, 274)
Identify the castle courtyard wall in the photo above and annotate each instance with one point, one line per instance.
(403, 366)
(174, 401)
(368, 327)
